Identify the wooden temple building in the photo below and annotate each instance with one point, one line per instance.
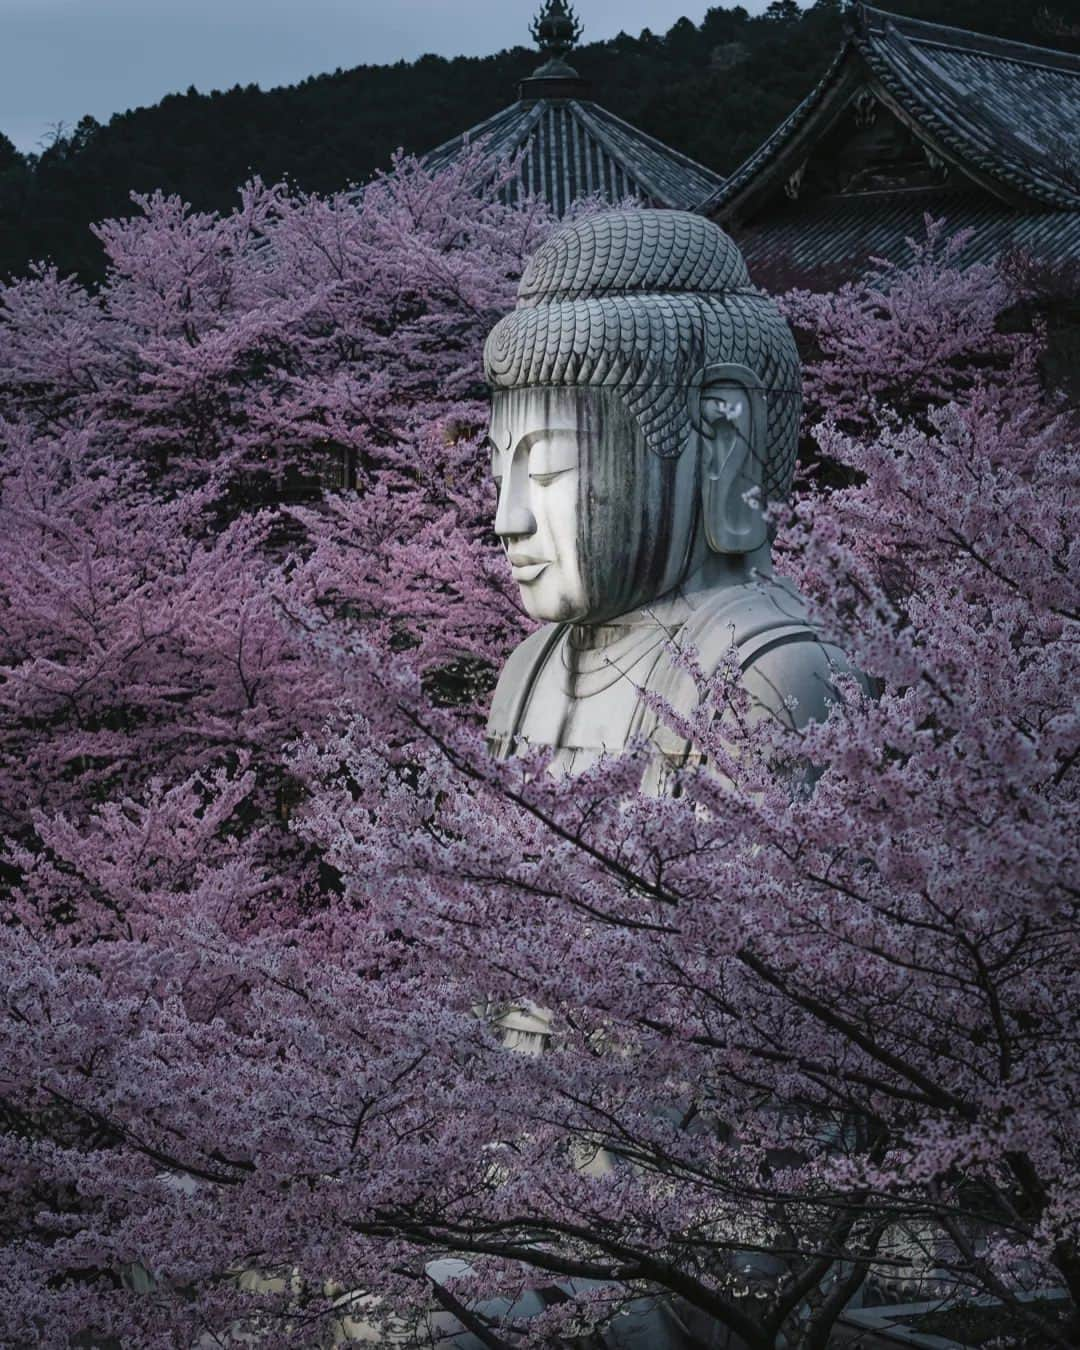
(911, 120)
(915, 119)
(569, 147)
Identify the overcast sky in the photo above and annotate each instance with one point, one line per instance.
(60, 59)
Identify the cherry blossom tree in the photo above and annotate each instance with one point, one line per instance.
(802, 1034)
(228, 362)
(300, 342)
(913, 336)
(167, 640)
(256, 1078)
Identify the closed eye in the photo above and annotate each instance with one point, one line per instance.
(544, 478)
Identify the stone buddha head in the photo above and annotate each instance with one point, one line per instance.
(645, 410)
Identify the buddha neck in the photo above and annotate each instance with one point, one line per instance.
(715, 572)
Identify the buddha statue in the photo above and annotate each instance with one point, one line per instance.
(645, 411)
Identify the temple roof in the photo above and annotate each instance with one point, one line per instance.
(847, 233)
(1002, 115)
(570, 147)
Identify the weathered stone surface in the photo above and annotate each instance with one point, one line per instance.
(645, 411)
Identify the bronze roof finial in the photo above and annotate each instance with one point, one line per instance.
(556, 28)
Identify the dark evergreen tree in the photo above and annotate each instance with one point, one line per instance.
(714, 90)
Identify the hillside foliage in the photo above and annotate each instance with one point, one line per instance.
(714, 90)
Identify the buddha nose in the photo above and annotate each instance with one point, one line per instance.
(513, 516)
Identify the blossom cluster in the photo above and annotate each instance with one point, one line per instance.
(267, 898)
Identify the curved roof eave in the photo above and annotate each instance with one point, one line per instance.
(810, 118)
(879, 55)
(967, 135)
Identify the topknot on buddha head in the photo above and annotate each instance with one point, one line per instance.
(633, 253)
(645, 303)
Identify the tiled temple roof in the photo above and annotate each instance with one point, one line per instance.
(569, 147)
(1003, 115)
(849, 232)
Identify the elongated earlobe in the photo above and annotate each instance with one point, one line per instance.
(727, 408)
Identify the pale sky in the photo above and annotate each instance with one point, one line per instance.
(60, 59)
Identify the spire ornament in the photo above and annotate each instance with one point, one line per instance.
(556, 28)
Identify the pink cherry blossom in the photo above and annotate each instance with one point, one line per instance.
(266, 895)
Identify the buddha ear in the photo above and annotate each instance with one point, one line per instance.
(727, 408)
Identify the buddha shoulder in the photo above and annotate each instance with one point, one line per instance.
(786, 665)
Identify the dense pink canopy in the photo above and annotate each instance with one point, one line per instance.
(265, 894)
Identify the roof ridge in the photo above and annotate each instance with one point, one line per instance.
(475, 136)
(885, 47)
(603, 135)
(896, 62)
(986, 43)
(773, 144)
(572, 147)
(602, 114)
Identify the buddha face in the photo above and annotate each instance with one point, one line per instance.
(593, 523)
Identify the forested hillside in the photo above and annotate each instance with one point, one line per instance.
(713, 90)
